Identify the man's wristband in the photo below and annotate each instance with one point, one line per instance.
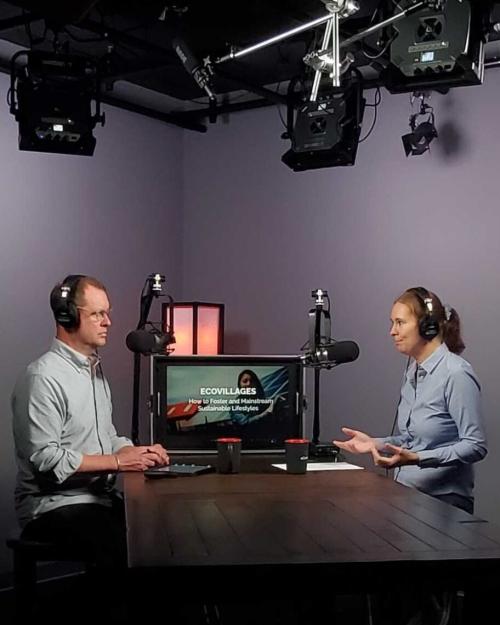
(117, 463)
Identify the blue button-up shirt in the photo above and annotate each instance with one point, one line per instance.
(62, 411)
(439, 418)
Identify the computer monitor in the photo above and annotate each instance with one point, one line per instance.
(197, 399)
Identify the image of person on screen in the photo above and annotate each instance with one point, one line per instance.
(440, 432)
(67, 449)
(249, 409)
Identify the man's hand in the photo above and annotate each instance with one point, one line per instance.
(399, 457)
(142, 457)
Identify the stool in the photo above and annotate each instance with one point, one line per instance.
(26, 554)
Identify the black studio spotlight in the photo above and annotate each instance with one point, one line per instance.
(51, 97)
(422, 134)
(437, 47)
(326, 131)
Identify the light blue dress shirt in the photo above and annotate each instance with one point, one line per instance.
(439, 418)
(62, 410)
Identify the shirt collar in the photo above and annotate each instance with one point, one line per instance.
(78, 360)
(430, 363)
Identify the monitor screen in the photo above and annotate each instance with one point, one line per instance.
(201, 398)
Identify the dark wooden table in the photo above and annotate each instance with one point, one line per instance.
(340, 529)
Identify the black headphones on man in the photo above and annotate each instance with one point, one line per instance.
(63, 304)
(428, 326)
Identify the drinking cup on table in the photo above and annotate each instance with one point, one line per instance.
(296, 455)
(228, 455)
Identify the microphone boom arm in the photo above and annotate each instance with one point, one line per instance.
(151, 289)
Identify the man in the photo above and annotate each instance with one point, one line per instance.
(67, 449)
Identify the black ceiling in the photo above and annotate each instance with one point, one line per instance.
(135, 45)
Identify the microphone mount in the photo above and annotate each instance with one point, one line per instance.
(152, 289)
(324, 353)
(319, 330)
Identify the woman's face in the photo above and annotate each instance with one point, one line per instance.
(246, 381)
(404, 330)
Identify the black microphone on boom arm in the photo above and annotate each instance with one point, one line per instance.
(201, 71)
(333, 354)
(148, 342)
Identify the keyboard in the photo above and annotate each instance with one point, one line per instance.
(179, 470)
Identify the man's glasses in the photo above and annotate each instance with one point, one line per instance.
(97, 316)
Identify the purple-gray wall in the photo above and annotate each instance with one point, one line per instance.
(116, 215)
(259, 237)
(226, 221)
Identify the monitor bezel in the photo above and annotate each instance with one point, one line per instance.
(159, 362)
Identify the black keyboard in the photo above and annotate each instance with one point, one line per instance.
(179, 470)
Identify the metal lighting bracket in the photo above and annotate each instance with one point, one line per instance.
(328, 58)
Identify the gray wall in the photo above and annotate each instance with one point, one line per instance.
(116, 216)
(261, 237)
(243, 229)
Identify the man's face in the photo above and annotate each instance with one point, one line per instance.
(94, 318)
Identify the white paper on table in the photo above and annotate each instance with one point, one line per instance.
(325, 466)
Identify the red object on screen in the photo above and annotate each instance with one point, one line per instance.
(182, 410)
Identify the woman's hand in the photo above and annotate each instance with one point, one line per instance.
(399, 457)
(359, 443)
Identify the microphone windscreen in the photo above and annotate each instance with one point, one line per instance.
(141, 342)
(337, 353)
(344, 351)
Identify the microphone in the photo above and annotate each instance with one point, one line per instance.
(334, 354)
(145, 342)
(199, 71)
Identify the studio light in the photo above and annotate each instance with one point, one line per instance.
(422, 134)
(438, 47)
(51, 97)
(326, 131)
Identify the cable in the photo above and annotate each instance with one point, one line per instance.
(92, 377)
(279, 108)
(383, 51)
(102, 379)
(397, 411)
(376, 102)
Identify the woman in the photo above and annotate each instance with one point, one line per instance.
(441, 432)
(248, 379)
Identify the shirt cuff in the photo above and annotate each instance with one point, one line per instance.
(67, 466)
(428, 458)
(121, 442)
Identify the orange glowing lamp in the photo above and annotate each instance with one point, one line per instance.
(198, 327)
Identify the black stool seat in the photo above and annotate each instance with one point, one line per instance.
(26, 554)
(43, 551)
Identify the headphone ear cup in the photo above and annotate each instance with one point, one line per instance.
(428, 328)
(67, 315)
(63, 306)
(73, 315)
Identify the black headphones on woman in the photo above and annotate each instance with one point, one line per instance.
(63, 304)
(428, 326)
